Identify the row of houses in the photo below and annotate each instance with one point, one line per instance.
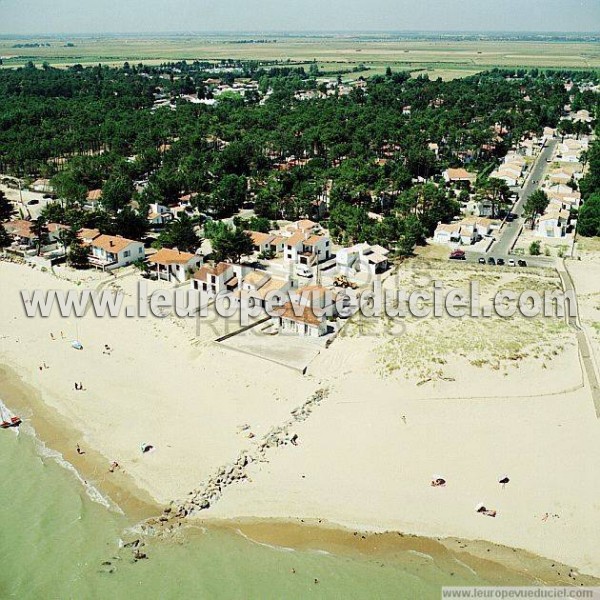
(511, 170)
(303, 242)
(465, 232)
(303, 311)
(560, 187)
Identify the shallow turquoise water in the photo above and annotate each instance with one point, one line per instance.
(54, 538)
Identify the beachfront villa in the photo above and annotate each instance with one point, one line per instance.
(113, 251)
(306, 313)
(223, 277)
(174, 265)
(259, 287)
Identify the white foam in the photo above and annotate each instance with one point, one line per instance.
(48, 453)
(282, 548)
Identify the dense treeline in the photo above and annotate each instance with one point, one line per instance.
(94, 127)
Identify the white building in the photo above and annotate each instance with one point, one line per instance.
(173, 265)
(362, 258)
(445, 233)
(113, 251)
(306, 249)
(219, 278)
(553, 224)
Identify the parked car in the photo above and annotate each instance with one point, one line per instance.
(511, 262)
(522, 263)
(303, 271)
(500, 262)
(481, 260)
(491, 260)
(458, 255)
(32, 202)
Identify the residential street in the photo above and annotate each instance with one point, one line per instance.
(511, 231)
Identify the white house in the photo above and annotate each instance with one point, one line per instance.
(22, 232)
(220, 278)
(113, 251)
(173, 265)
(446, 233)
(306, 249)
(479, 208)
(553, 224)
(42, 186)
(362, 258)
(267, 242)
(159, 214)
(458, 175)
(258, 287)
(306, 313)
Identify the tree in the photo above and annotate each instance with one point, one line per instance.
(231, 243)
(78, 255)
(535, 205)
(496, 191)
(66, 236)
(68, 188)
(535, 248)
(130, 224)
(39, 228)
(116, 193)
(5, 239)
(5, 207)
(588, 222)
(180, 234)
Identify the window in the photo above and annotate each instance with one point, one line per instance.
(126, 254)
(140, 250)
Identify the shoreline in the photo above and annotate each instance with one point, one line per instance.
(497, 564)
(61, 437)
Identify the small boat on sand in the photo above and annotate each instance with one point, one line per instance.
(6, 423)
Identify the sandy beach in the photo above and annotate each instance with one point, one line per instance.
(364, 457)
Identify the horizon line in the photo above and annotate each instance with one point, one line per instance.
(291, 32)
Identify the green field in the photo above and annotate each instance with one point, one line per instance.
(444, 58)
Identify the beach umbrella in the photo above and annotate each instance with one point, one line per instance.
(77, 345)
(480, 507)
(503, 479)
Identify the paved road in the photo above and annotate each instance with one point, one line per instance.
(585, 351)
(511, 231)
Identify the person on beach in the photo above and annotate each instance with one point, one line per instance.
(79, 450)
(52, 336)
(114, 465)
(485, 511)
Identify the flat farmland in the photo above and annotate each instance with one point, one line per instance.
(438, 57)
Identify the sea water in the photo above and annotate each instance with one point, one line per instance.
(60, 539)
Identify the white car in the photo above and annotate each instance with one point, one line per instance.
(303, 271)
(511, 262)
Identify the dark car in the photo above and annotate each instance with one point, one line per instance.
(510, 218)
(522, 263)
(491, 260)
(481, 260)
(32, 202)
(500, 262)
